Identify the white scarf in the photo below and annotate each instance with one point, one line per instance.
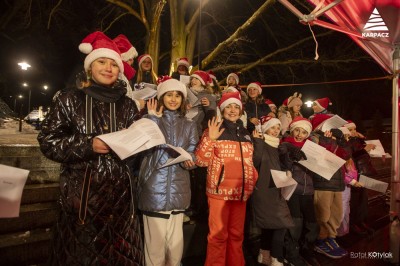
(272, 141)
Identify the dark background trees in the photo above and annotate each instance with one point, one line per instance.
(260, 39)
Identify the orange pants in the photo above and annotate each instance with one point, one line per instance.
(225, 239)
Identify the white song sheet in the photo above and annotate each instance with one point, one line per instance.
(373, 184)
(320, 161)
(141, 135)
(183, 156)
(144, 94)
(185, 79)
(12, 182)
(333, 122)
(286, 183)
(379, 151)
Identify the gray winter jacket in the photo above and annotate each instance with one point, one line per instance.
(167, 188)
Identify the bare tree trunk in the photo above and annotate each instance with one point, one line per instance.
(153, 41)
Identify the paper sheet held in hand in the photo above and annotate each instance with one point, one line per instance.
(141, 135)
(379, 151)
(12, 182)
(373, 184)
(320, 161)
(333, 122)
(285, 182)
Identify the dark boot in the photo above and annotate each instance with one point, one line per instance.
(308, 254)
(307, 249)
(292, 247)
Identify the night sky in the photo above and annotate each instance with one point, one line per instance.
(55, 58)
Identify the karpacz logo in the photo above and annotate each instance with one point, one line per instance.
(375, 26)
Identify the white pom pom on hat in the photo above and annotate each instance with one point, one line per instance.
(169, 84)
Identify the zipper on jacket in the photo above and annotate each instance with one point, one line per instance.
(219, 179)
(241, 156)
(305, 182)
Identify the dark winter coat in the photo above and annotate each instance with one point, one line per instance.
(301, 174)
(341, 149)
(167, 188)
(256, 110)
(205, 113)
(269, 208)
(108, 233)
(361, 157)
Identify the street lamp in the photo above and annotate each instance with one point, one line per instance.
(308, 103)
(29, 100)
(15, 101)
(24, 65)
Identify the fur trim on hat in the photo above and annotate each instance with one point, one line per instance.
(170, 84)
(228, 98)
(235, 76)
(268, 122)
(103, 52)
(301, 122)
(256, 85)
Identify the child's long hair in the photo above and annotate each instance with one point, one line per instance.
(182, 109)
(292, 114)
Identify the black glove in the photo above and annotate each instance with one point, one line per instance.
(337, 133)
(296, 154)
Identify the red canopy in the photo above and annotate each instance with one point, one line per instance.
(352, 17)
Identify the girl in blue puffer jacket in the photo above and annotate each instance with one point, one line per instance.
(164, 192)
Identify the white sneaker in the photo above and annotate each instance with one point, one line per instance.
(275, 262)
(264, 257)
(186, 218)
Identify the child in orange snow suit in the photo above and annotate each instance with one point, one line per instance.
(227, 150)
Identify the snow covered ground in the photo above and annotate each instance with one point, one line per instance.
(9, 133)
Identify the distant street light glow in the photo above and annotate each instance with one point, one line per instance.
(25, 84)
(45, 87)
(308, 103)
(24, 65)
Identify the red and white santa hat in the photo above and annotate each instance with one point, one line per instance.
(97, 45)
(323, 103)
(270, 103)
(319, 119)
(167, 83)
(143, 57)
(202, 76)
(183, 61)
(235, 76)
(350, 124)
(256, 85)
(268, 122)
(126, 48)
(212, 75)
(301, 122)
(228, 98)
(129, 71)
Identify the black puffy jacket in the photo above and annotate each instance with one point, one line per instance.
(109, 234)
